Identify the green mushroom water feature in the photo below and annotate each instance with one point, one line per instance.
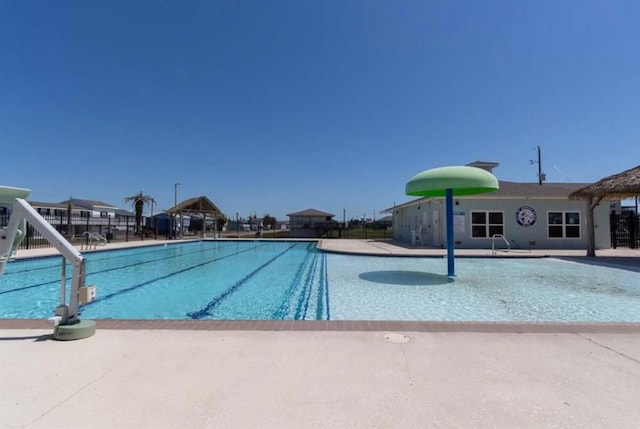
(447, 182)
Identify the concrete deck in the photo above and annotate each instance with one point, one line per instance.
(257, 374)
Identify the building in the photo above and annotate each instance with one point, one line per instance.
(85, 215)
(311, 223)
(518, 215)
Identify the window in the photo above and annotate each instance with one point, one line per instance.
(486, 224)
(564, 224)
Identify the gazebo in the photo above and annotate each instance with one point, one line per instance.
(615, 187)
(201, 206)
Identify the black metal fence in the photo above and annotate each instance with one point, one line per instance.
(625, 230)
(123, 229)
(74, 227)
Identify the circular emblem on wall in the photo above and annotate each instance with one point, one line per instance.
(526, 216)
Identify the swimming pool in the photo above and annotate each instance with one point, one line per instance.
(292, 280)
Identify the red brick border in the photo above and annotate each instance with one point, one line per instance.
(341, 325)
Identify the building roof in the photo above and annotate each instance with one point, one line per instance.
(61, 206)
(515, 190)
(485, 165)
(89, 204)
(617, 186)
(534, 190)
(126, 213)
(196, 205)
(311, 213)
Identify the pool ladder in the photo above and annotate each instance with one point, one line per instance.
(90, 239)
(493, 243)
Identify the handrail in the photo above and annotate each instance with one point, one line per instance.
(22, 210)
(92, 239)
(493, 242)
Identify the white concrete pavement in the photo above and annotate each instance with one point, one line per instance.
(253, 379)
(322, 379)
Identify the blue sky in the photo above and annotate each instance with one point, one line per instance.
(278, 106)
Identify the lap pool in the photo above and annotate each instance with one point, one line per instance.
(292, 280)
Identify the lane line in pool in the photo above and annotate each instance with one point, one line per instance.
(303, 299)
(139, 285)
(152, 261)
(323, 295)
(57, 280)
(206, 310)
(89, 258)
(295, 283)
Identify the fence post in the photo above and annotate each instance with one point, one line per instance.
(613, 226)
(28, 233)
(632, 230)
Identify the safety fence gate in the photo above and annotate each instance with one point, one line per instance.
(625, 230)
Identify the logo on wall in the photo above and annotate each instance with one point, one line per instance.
(526, 216)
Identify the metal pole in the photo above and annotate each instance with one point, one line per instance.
(539, 168)
(175, 203)
(451, 272)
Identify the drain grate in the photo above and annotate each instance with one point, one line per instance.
(396, 338)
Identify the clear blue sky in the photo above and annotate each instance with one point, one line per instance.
(277, 106)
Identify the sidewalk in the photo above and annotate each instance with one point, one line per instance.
(392, 375)
(261, 379)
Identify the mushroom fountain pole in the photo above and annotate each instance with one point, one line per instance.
(445, 182)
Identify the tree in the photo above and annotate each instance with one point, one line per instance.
(138, 201)
(221, 221)
(269, 221)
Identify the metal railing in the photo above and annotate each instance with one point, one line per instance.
(78, 229)
(493, 243)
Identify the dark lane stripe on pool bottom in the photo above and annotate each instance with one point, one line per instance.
(206, 310)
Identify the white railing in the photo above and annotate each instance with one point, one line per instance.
(90, 239)
(493, 243)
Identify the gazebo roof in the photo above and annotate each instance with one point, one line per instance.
(195, 205)
(618, 186)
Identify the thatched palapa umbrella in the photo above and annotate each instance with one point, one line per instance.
(615, 187)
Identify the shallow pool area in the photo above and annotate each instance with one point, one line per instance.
(292, 280)
(485, 289)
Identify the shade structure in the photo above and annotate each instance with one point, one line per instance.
(616, 186)
(447, 182)
(462, 180)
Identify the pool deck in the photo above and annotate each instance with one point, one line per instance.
(326, 374)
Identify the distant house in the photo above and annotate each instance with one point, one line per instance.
(73, 217)
(103, 215)
(520, 215)
(310, 223)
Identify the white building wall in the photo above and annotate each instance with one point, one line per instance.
(519, 234)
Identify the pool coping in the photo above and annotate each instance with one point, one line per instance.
(343, 325)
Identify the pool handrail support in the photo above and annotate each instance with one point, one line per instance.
(493, 242)
(22, 210)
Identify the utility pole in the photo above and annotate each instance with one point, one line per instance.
(539, 167)
(541, 175)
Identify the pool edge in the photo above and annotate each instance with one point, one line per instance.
(343, 325)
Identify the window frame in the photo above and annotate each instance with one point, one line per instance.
(564, 224)
(487, 224)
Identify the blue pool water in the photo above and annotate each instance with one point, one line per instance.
(294, 281)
